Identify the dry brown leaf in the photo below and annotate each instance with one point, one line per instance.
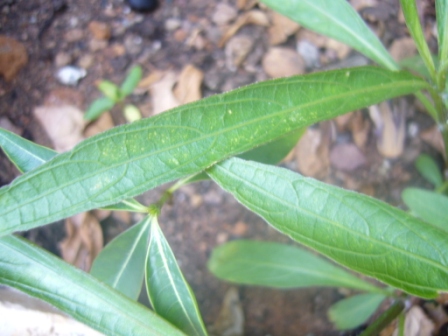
(283, 62)
(342, 50)
(83, 242)
(255, 17)
(246, 4)
(282, 27)
(188, 88)
(360, 128)
(145, 84)
(162, 95)
(237, 50)
(390, 128)
(103, 123)
(417, 323)
(230, 321)
(63, 124)
(13, 57)
(402, 48)
(224, 13)
(312, 153)
(433, 137)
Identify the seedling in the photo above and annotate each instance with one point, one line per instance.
(114, 95)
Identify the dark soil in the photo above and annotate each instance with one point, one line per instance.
(201, 216)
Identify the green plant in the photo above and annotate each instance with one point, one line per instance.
(114, 95)
(202, 140)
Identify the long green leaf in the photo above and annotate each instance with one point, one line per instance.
(131, 81)
(442, 29)
(121, 263)
(428, 205)
(357, 231)
(279, 266)
(429, 169)
(352, 312)
(415, 29)
(42, 275)
(336, 19)
(168, 291)
(98, 107)
(24, 154)
(128, 160)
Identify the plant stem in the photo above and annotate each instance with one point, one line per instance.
(385, 318)
(168, 194)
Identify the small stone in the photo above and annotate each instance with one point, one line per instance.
(222, 237)
(95, 45)
(309, 53)
(100, 30)
(237, 49)
(240, 229)
(62, 59)
(403, 48)
(86, 61)
(133, 44)
(70, 75)
(74, 35)
(223, 14)
(347, 156)
(172, 24)
(180, 35)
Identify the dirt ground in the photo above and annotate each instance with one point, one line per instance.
(56, 33)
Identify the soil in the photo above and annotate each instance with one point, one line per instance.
(201, 216)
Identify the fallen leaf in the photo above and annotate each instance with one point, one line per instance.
(63, 124)
(224, 13)
(188, 88)
(390, 128)
(282, 27)
(417, 323)
(162, 95)
(237, 50)
(230, 321)
(246, 4)
(433, 137)
(402, 48)
(83, 242)
(13, 57)
(312, 153)
(256, 17)
(360, 129)
(282, 62)
(103, 123)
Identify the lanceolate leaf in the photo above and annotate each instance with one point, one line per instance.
(352, 312)
(40, 274)
(168, 291)
(128, 160)
(280, 266)
(24, 154)
(357, 231)
(442, 29)
(415, 29)
(98, 106)
(428, 205)
(121, 263)
(336, 19)
(429, 169)
(131, 81)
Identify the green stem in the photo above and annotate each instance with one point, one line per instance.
(385, 319)
(428, 105)
(401, 320)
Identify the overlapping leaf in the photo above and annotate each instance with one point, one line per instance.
(24, 154)
(40, 274)
(354, 311)
(428, 205)
(168, 291)
(121, 263)
(336, 19)
(357, 231)
(280, 266)
(128, 160)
